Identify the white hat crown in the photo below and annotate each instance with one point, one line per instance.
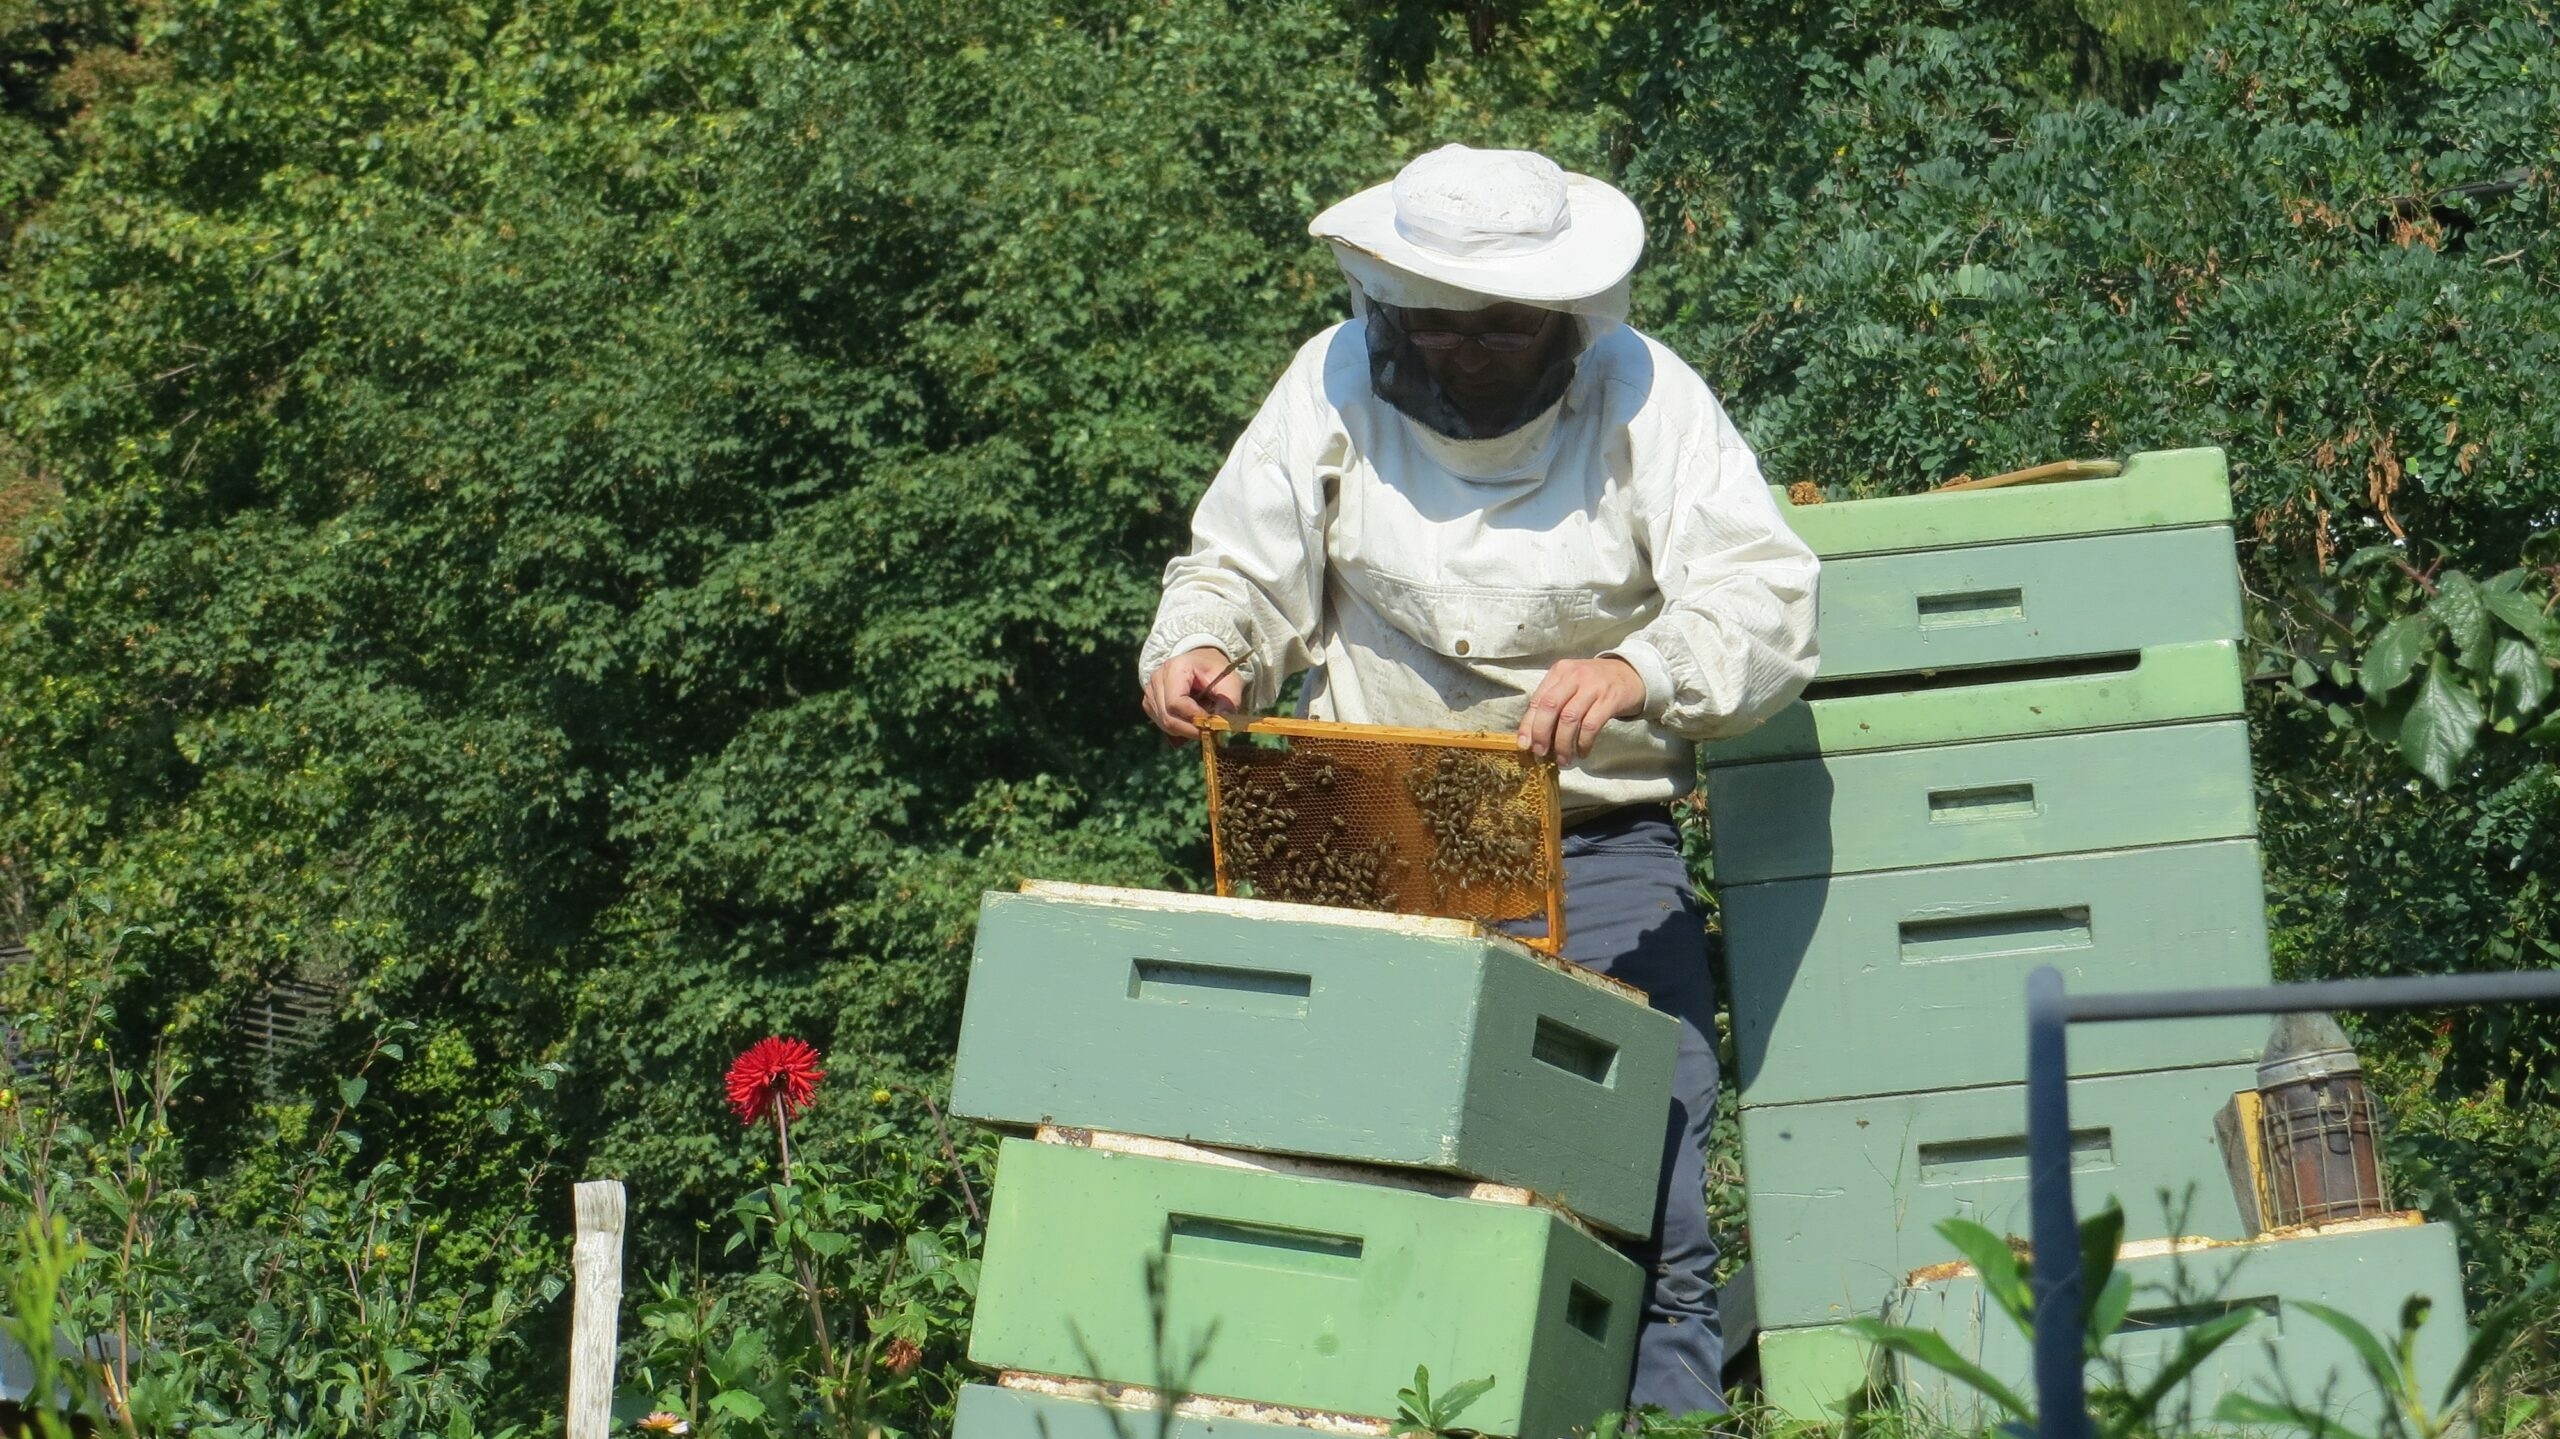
(1467, 202)
(1496, 224)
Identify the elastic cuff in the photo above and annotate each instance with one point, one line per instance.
(1205, 641)
(1649, 665)
(1197, 628)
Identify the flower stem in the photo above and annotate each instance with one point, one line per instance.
(782, 1128)
(808, 1272)
(959, 1171)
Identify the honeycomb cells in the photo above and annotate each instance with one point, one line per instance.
(1323, 814)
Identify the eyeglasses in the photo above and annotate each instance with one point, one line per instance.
(1499, 342)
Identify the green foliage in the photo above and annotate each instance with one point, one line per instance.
(2373, 873)
(1949, 273)
(510, 466)
(2106, 1296)
(2430, 660)
(2319, 250)
(1406, 36)
(2485, 1163)
(1743, 1418)
(334, 1299)
(599, 529)
(1419, 1411)
(852, 1315)
(56, 57)
(61, 1388)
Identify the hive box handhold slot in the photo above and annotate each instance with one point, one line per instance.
(1963, 804)
(1909, 979)
(2022, 604)
(1420, 1181)
(2368, 1271)
(1846, 1195)
(1375, 1039)
(1309, 1293)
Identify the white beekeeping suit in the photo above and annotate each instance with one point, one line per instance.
(1431, 580)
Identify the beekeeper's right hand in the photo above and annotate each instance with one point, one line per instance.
(1188, 686)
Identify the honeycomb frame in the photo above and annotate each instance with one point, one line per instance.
(1387, 819)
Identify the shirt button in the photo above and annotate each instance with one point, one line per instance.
(1462, 647)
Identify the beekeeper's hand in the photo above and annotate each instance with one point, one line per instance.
(1191, 685)
(1574, 701)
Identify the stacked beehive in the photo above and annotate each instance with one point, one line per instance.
(2024, 747)
(1274, 1157)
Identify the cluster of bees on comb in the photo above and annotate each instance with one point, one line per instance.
(1286, 827)
(1300, 859)
(1482, 838)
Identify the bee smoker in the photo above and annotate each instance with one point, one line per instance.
(2316, 1127)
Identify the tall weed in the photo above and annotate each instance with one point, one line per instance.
(324, 1295)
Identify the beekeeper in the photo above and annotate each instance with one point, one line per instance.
(1485, 503)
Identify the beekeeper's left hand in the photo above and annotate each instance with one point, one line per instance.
(1574, 701)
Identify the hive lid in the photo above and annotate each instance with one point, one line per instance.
(2158, 489)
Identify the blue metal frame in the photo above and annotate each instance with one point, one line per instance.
(2062, 1396)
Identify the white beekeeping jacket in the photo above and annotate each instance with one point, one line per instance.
(1431, 582)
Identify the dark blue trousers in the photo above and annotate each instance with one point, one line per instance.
(1630, 913)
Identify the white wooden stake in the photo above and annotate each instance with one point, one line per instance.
(597, 1261)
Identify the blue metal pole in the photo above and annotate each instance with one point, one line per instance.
(2421, 991)
(2062, 1401)
(2062, 1397)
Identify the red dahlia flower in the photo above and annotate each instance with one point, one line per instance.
(783, 1071)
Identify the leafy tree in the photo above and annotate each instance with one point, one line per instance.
(56, 57)
(601, 528)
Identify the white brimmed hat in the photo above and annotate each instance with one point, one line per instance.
(1511, 224)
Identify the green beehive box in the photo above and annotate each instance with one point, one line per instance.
(1379, 1039)
(2035, 609)
(2159, 489)
(987, 1412)
(1909, 979)
(1964, 804)
(2033, 602)
(1313, 1293)
(1816, 1372)
(1845, 1196)
(2163, 684)
(2284, 1354)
